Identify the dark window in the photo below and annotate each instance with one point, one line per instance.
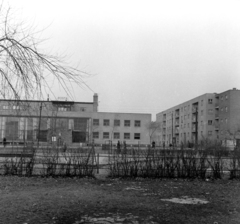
(210, 122)
(42, 136)
(127, 123)
(116, 122)
(106, 135)
(137, 123)
(106, 122)
(116, 135)
(95, 122)
(210, 101)
(137, 135)
(126, 135)
(78, 136)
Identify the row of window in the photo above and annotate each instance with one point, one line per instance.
(185, 108)
(116, 135)
(187, 116)
(69, 108)
(25, 107)
(210, 122)
(210, 133)
(210, 101)
(127, 123)
(210, 112)
(14, 107)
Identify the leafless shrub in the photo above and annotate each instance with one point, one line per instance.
(234, 166)
(21, 165)
(168, 164)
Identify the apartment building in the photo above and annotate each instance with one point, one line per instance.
(68, 122)
(227, 114)
(211, 115)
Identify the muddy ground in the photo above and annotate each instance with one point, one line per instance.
(72, 201)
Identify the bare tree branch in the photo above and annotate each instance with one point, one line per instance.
(24, 69)
(152, 128)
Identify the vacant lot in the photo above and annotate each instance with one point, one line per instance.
(48, 200)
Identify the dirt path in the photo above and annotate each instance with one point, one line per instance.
(74, 201)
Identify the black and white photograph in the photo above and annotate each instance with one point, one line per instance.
(123, 112)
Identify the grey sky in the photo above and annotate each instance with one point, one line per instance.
(146, 56)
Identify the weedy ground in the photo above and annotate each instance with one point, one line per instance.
(72, 201)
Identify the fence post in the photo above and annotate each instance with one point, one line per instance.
(98, 163)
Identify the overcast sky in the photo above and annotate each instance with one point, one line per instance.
(145, 56)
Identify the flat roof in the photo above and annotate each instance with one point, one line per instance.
(47, 101)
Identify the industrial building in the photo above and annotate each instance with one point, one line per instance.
(68, 122)
(214, 116)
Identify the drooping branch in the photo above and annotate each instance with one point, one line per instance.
(24, 69)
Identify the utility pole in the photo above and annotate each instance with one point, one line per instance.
(172, 128)
(196, 140)
(39, 124)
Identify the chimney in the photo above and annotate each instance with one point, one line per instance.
(95, 102)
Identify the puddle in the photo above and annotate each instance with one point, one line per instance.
(187, 200)
(135, 188)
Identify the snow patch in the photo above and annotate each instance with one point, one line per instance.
(187, 200)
